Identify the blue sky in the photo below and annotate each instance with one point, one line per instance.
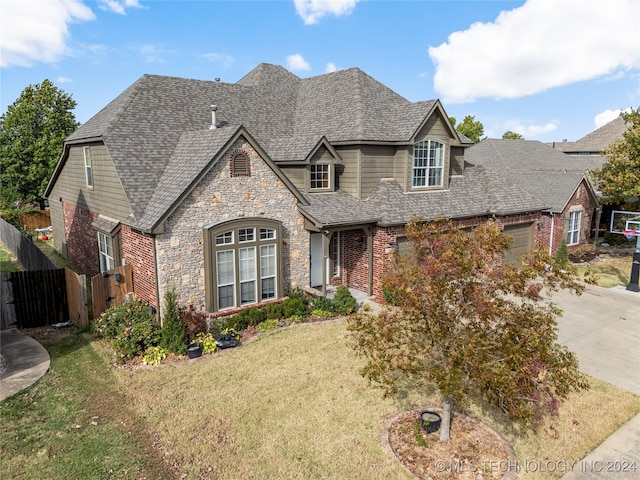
(548, 69)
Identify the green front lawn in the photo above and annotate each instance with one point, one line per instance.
(289, 404)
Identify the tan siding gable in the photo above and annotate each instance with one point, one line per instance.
(322, 156)
(297, 174)
(348, 179)
(377, 162)
(107, 195)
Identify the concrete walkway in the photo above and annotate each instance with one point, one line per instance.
(602, 327)
(26, 362)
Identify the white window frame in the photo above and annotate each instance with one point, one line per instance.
(428, 164)
(107, 259)
(320, 174)
(88, 168)
(573, 228)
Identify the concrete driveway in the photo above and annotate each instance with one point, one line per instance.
(602, 327)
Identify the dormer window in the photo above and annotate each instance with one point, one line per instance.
(428, 164)
(320, 176)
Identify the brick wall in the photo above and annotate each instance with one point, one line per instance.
(82, 242)
(137, 251)
(355, 260)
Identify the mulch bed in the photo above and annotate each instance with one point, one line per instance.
(474, 450)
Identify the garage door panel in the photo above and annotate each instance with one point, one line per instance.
(522, 241)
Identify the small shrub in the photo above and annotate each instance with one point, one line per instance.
(323, 304)
(584, 250)
(208, 342)
(343, 302)
(299, 294)
(417, 434)
(154, 356)
(294, 306)
(231, 332)
(268, 325)
(562, 256)
(173, 338)
(296, 319)
(193, 321)
(389, 296)
(273, 311)
(133, 341)
(130, 328)
(321, 313)
(216, 325)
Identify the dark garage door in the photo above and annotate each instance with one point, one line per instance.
(522, 241)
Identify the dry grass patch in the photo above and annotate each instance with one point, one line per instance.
(611, 271)
(292, 404)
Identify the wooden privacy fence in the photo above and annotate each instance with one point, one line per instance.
(26, 252)
(43, 297)
(111, 288)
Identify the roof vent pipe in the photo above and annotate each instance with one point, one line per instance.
(214, 125)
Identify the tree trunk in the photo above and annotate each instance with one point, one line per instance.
(445, 425)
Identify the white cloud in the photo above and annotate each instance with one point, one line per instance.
(297, 62)
(540, 45)
(36, 31)
(63, 80)
(226, 60)
(312, 11)
(605, 117)
(331, 67)
(118, 6)
(529, 131)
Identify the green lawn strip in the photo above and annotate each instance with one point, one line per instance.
(73, 423)
(55, 256)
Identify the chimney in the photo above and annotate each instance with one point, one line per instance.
(214, 125)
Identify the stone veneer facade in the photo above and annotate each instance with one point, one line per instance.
(218, 197)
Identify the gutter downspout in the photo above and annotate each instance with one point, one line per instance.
(553, 218)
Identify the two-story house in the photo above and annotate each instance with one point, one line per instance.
(235, 192)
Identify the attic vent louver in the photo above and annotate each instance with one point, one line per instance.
(214, 125)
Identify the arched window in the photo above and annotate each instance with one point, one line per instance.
(428, 164)
(242, 262)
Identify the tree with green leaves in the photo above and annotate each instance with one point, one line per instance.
(509, 135)
(32, 132)
(468, 326)
(619, 177)
(470, 127)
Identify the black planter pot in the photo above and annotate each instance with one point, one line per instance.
(194, 350)
(225, 340)
(430, 421)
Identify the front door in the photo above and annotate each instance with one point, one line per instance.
(316, 260)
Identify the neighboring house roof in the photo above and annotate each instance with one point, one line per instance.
(544, 172)
(597, 141)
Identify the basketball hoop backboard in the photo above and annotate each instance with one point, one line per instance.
(622, 221)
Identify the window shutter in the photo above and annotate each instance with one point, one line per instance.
(584, 222)
(565, 228)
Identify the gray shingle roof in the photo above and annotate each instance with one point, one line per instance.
(477, 193)
(596, 141)
(535, 167)
(147, 126)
